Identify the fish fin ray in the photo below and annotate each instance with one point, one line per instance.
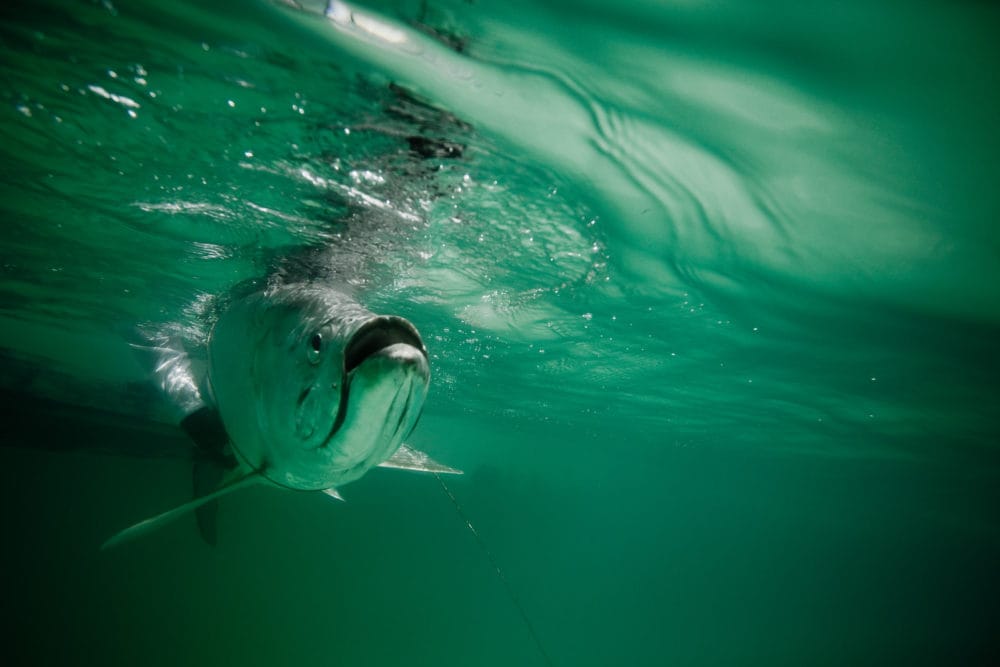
(333, 493)
(407, 458)
(238, 480)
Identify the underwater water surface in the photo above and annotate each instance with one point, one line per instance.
(711, 294)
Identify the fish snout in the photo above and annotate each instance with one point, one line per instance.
(386, 375)
(391, 339)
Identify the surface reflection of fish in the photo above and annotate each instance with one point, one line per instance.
(304, 389)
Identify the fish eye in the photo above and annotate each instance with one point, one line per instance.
(315, 347)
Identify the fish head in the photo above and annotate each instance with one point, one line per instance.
(313, 389)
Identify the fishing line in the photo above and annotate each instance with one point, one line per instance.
(496, 566)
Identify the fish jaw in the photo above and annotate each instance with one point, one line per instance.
(313, 389)
(387, 393)
(382, 401)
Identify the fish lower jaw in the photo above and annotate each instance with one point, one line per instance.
(385, 396)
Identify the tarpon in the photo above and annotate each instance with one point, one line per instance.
(304, 389)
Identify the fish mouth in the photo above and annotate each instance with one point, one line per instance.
(383, 336)
(376, 335)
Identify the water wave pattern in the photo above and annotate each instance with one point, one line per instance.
(707, 171)
(138, 193)
(755, 211)
(676, 227)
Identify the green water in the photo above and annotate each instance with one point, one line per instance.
(711, 293)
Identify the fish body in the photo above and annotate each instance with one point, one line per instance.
(303, 389)
(313, 389)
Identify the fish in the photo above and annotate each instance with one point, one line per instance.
(304, 389)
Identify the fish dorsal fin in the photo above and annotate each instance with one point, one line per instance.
(238, 479)
(333, 493)
(408, 458)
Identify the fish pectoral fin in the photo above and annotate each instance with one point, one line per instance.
(407, 458)
(238, 480)
(333, 493)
